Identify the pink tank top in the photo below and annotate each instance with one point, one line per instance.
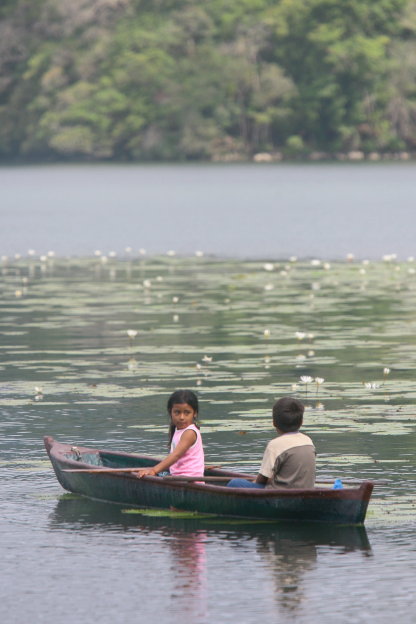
(192, 463)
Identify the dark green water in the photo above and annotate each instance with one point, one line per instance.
(68, 369)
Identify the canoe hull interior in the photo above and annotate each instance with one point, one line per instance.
(346, 506)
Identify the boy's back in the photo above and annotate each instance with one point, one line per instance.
(289, 461)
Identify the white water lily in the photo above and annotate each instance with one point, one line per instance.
(371, 385)
(207, 358)
(175, 299)
(319, 381)
(132, 333)
(268, 266)
(306, 379)
(386, 371)
(268, 287)
(300, 335)
(132, 364)
(266, 333)
(147, 283)
(175, 318)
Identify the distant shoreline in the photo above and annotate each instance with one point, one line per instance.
(353, 156)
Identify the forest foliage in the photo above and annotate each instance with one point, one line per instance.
(219, 79)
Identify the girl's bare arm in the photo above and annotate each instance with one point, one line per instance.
(186, 441)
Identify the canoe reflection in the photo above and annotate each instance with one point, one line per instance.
(289, 551)
(77, 512)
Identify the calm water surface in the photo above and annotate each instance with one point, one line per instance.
(67, 369)
(249, 211)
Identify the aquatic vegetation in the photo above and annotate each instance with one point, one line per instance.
(210, 325)
(167, 513)
(318, 381)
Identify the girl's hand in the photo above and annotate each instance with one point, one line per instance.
(145, 472)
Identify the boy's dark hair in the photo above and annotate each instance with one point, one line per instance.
(288, 414)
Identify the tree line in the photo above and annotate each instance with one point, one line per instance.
(132, 80)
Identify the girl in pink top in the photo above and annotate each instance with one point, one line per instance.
(186, 455)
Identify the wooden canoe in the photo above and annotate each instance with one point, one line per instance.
(319, 504)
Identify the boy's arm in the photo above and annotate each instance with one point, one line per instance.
(266, 467)
(261, 479)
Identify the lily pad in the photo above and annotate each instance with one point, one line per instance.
(167, 513)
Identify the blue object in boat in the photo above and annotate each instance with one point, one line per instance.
(337, 485)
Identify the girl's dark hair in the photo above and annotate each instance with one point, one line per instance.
(181, 396)
(288, 414)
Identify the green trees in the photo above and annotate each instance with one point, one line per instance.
(336, 53)
(180, 79)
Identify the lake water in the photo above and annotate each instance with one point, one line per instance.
(68, 369)
(245, 211)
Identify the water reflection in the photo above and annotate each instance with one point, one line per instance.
(288, 562)
(184, 539)
(289, 552)
(189, 574)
